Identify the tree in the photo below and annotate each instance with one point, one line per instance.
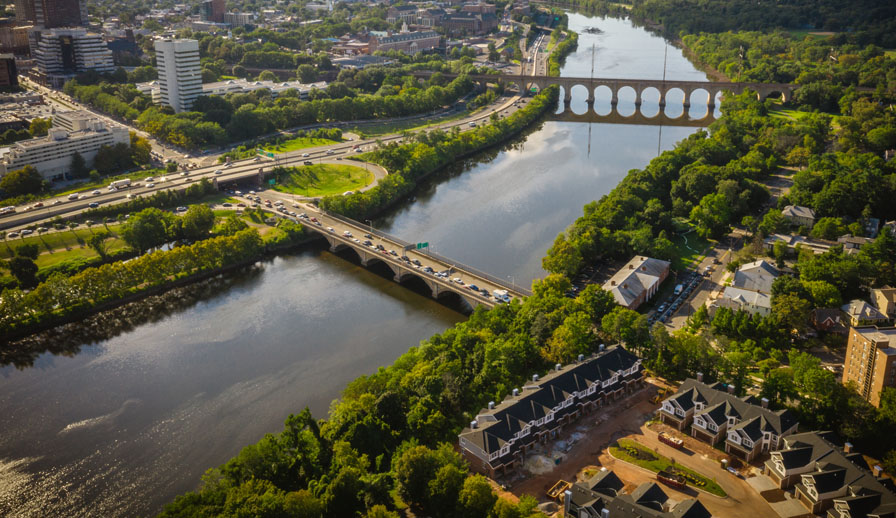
(99, 244)
(571, 338)
(778, 386)
(712, 215)
(79, 167)
(24, 270)
(773, 222)
(147, 229)
(307, 73)
(171, 167)
(40, 127)
(476, 498)
(627, 326)
(141, 149)
(267, 75)
(22, 181)
(231, 225)
(28, 250)
(828, 228)
(791, 312)
(198, 222)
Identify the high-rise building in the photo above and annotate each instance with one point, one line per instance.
(212, 11)
(8, 74)
(60, 54)
(180, 79)
(871, 361)
(52, 13)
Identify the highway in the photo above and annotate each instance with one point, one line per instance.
(343, 232)
(239, 170)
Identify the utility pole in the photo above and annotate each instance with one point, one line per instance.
(659, 139)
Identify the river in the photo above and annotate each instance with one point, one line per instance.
(122, 423)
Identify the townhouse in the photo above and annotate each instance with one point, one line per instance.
(498, 439)
(601, 496)
(831, 480)
(710, 414)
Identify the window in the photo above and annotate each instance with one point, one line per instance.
(679, 412)
(541, 421)
(712, 427)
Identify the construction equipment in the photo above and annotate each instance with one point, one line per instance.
(556, 491)
(671, 441)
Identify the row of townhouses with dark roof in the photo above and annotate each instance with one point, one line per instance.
(712, 414)
(601, 496)
(497, 441)
(831, 480)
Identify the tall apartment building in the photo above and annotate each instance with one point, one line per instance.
(180, 78)
(52, 155)
(871, 360)
(60, 54)
(8, 74)
(52, 13)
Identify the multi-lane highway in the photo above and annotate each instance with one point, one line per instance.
(238, 170)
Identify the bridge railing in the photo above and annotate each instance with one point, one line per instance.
(479, 273)
(446, 260)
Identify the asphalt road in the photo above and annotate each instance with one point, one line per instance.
(241, 169)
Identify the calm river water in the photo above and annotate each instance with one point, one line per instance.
(134, 416)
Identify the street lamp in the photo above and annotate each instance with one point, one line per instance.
(370, 224)
(512, 282)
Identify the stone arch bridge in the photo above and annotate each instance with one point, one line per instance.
(640, 86)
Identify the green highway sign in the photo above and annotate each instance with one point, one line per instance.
(422, 245)
(272, 181)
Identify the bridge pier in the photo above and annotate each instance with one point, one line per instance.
(662, 100)
(615, 99)
(567, 96)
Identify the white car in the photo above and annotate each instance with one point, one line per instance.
(150, 185)
(95, 193)
(347, 234)
(331, 229)
(330, 151)
(305, 155)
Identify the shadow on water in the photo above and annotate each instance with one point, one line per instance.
(68, 339)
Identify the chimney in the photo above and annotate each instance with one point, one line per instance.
(473, 424)
(847, 447)
(567, 498)
(877, 470)
(612, 283)
(581, 357)
(604, 513)
(516, 392)
(535, 377)
(643, 268)
(764, 402)
(700, 377)
(558, 366)
(625, 286)
(731, 389)
(491, 405)
(631, 267)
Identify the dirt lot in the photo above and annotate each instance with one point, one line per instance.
(628, 418)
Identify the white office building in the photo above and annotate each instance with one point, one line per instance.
(180, 78)
(52, 155)
(60, 54)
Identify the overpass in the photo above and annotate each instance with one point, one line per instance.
(390, 250)
(525, 82)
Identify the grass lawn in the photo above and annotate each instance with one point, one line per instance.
(298, 143)
(56, 241)
(801, 34)
(689, 249)
(324, 179)
(890, 53)
(634, 453)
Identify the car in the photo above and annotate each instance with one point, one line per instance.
(149, 179)
(380, 247)
(356, 240)
(27, 232)
(42, 229)
(427, 269)
(308, 162)
(227, 204)
(12, 234)
(305, 155)
(95, 193)
(185, 173)
(218, 171)
(228, 164)
(181, 209)
(238, 193)
(418, 263)
(256, 159)
(251, 193)
(150, 185)
(338, 158)
(330, 151)
(188, 180)
(313, 219)
(130, 196)
(240, 204)
(472, 124)
(73, 196)
(367, 242)
(38, 205)
(278, 203)
(473, 287)
(93, 205)
(458, 280)
(347, 234)
(392, 252)
(57, 202)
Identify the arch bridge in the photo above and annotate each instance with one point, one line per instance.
(640, 86)
(349, 234)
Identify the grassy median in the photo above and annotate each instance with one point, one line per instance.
(630, 451)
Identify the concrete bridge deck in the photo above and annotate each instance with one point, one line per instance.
(402, 270)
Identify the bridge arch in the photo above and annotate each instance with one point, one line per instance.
(627, 100)
(605, 97)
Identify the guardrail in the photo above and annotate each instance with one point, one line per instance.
(455, 264)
